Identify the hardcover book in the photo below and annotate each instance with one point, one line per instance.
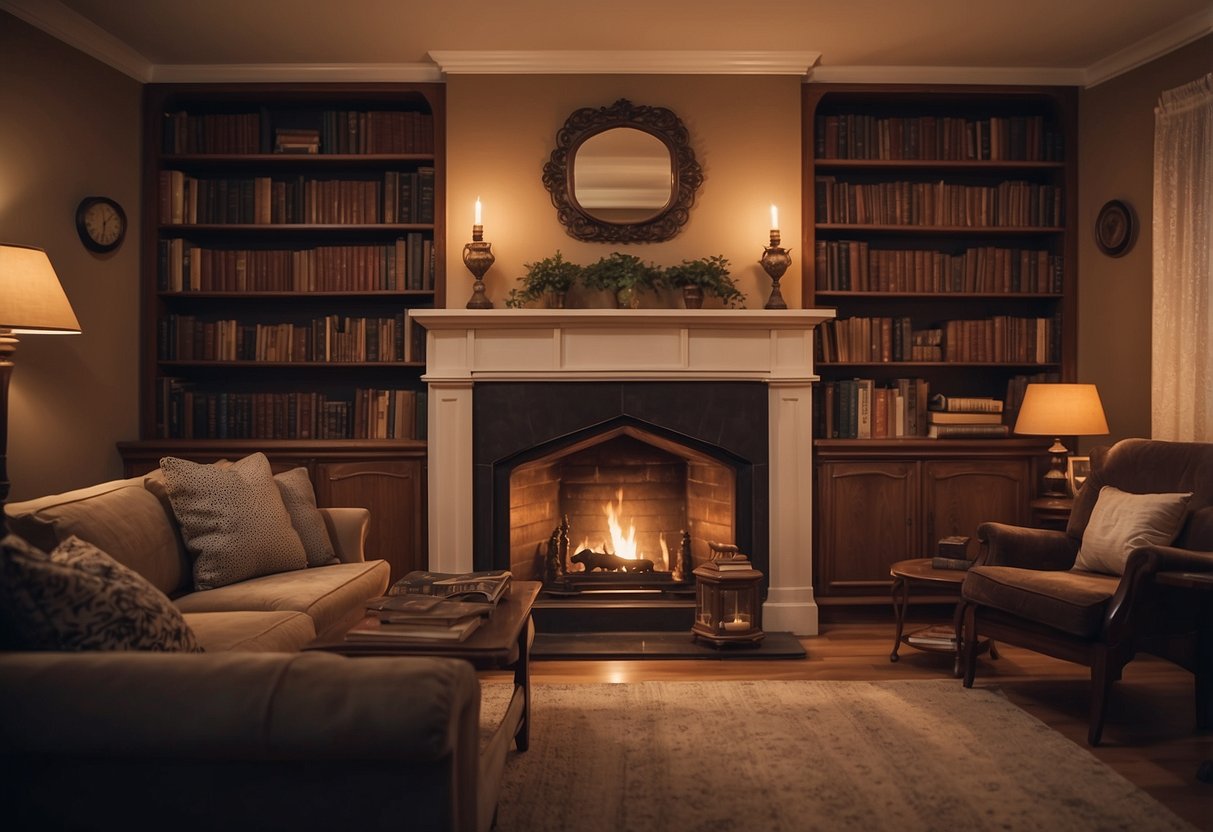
(486, 586)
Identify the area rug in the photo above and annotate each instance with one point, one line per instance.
(799, 756)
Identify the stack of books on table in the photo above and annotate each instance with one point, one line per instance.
(432, 607)
(953, 553)
(965, 417)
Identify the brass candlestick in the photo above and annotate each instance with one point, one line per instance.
(478, 257)
(775, 261)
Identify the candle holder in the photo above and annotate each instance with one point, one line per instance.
(478, 257)
(775, 261)
(728, 603)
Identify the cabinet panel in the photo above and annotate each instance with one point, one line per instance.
(394, 493)
(868, 514)
(959, 495)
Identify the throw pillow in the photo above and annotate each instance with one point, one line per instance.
(79, 598)
(1121, 522)
(232, 519)
(300, 500)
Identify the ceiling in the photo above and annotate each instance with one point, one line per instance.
(1030, 41)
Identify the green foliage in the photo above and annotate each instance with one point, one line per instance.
(551, 274)
(708, 273)
(621, 271)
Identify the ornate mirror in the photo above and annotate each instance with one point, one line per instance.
(622, 174)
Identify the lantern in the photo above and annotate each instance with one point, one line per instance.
(728, 609)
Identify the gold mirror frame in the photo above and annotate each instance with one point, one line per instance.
(686, 175)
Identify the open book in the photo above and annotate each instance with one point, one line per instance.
(486, 586)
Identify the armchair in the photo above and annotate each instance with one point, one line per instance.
(1025, 587)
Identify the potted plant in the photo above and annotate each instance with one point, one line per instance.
(624, 275)
(705, 276)
(548, 280)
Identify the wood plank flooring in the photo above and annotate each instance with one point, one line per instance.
(1149, 736)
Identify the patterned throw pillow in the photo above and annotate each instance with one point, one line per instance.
(79, 598)
(232, 519)
(300, 500)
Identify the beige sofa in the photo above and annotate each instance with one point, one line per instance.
(250, 734)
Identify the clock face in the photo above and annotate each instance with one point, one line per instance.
(101, 223)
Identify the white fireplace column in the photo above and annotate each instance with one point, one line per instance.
(773, 346)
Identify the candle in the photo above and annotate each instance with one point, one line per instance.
(774, 218)
(736, 624)
(478, 211)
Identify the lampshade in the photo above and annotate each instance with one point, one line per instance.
(31, 299)
(1061, 410)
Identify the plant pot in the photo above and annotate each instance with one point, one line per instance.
(627, 298)
(692, 297)
(553, 300)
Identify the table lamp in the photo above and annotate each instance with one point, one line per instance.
(31, 301)
(1059, 410)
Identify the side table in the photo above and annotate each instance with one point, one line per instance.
(919, 570)
(1051, 512)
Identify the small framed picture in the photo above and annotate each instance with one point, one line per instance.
(1077, 470)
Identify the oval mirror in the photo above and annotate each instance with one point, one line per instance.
(622, 174)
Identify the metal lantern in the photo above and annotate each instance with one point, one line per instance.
(728, 606)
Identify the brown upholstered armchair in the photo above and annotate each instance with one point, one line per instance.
(1026, 590)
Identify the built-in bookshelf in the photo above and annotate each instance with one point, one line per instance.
(940, 222)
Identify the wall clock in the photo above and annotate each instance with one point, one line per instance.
(1115, 228)
(101, 223)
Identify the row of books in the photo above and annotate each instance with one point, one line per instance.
(862, 408)
(331, 338)
(1001, 339)
(397, 197)
(433, 607)
(1009, 204)
(405, 265)
(945, 138)
(182, 412)
(854, 266)
(335, 131)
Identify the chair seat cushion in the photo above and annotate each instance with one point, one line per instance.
(1073, 601)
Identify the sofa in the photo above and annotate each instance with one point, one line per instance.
(251, 732)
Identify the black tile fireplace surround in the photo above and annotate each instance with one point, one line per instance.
(516, 422)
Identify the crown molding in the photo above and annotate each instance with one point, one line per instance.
(293, 73)
(623, 62)
(1169, 39)
(993, 75)
(60, 22)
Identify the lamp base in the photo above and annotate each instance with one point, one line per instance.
(1056, 484)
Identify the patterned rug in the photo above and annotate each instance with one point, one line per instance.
(799, 756)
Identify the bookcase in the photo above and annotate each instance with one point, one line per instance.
(939, 222)
(287, 230)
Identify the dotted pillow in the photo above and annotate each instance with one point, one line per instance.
(79, 598)
(300, 500)
(233, 520)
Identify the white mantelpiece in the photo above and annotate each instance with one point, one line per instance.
(772, 346)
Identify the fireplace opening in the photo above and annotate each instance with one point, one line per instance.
(624, 510)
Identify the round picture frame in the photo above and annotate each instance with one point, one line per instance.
(1115, 228)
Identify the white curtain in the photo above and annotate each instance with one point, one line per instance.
(1182, 365)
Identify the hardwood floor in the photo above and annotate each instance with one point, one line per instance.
(1149, 736)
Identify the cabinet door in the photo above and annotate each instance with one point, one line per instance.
(960, 495)
(867, 521)
(393, 490)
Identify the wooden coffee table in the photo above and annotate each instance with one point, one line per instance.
(502, 642)
(919, 571)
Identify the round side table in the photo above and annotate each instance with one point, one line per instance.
(905, 574)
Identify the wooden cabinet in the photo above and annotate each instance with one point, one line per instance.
(882, 502)
(386, 477)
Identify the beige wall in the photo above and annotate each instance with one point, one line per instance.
(69, 128)
(1115, 154)
(745, 132)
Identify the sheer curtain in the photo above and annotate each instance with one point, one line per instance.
(1182, 363)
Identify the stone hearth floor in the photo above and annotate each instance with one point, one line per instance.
(657, 645)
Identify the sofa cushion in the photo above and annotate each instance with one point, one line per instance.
(328, 594)
(1122, 522)
(120, 518)
(251, 632)
(233, 520)
(79, 598)
(298, 496)
(1073, 601)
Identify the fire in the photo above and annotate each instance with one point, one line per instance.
(623, 541)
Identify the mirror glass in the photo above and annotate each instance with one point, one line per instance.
(623, 175)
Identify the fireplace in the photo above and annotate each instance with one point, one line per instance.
(697, 422)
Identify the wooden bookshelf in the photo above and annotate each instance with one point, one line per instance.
(287, 231)
(940, 222)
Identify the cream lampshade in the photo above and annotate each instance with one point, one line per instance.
(1059, 410)
(31, 301)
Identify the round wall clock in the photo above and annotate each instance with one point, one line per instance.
(1115, 228)
(101, 223)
